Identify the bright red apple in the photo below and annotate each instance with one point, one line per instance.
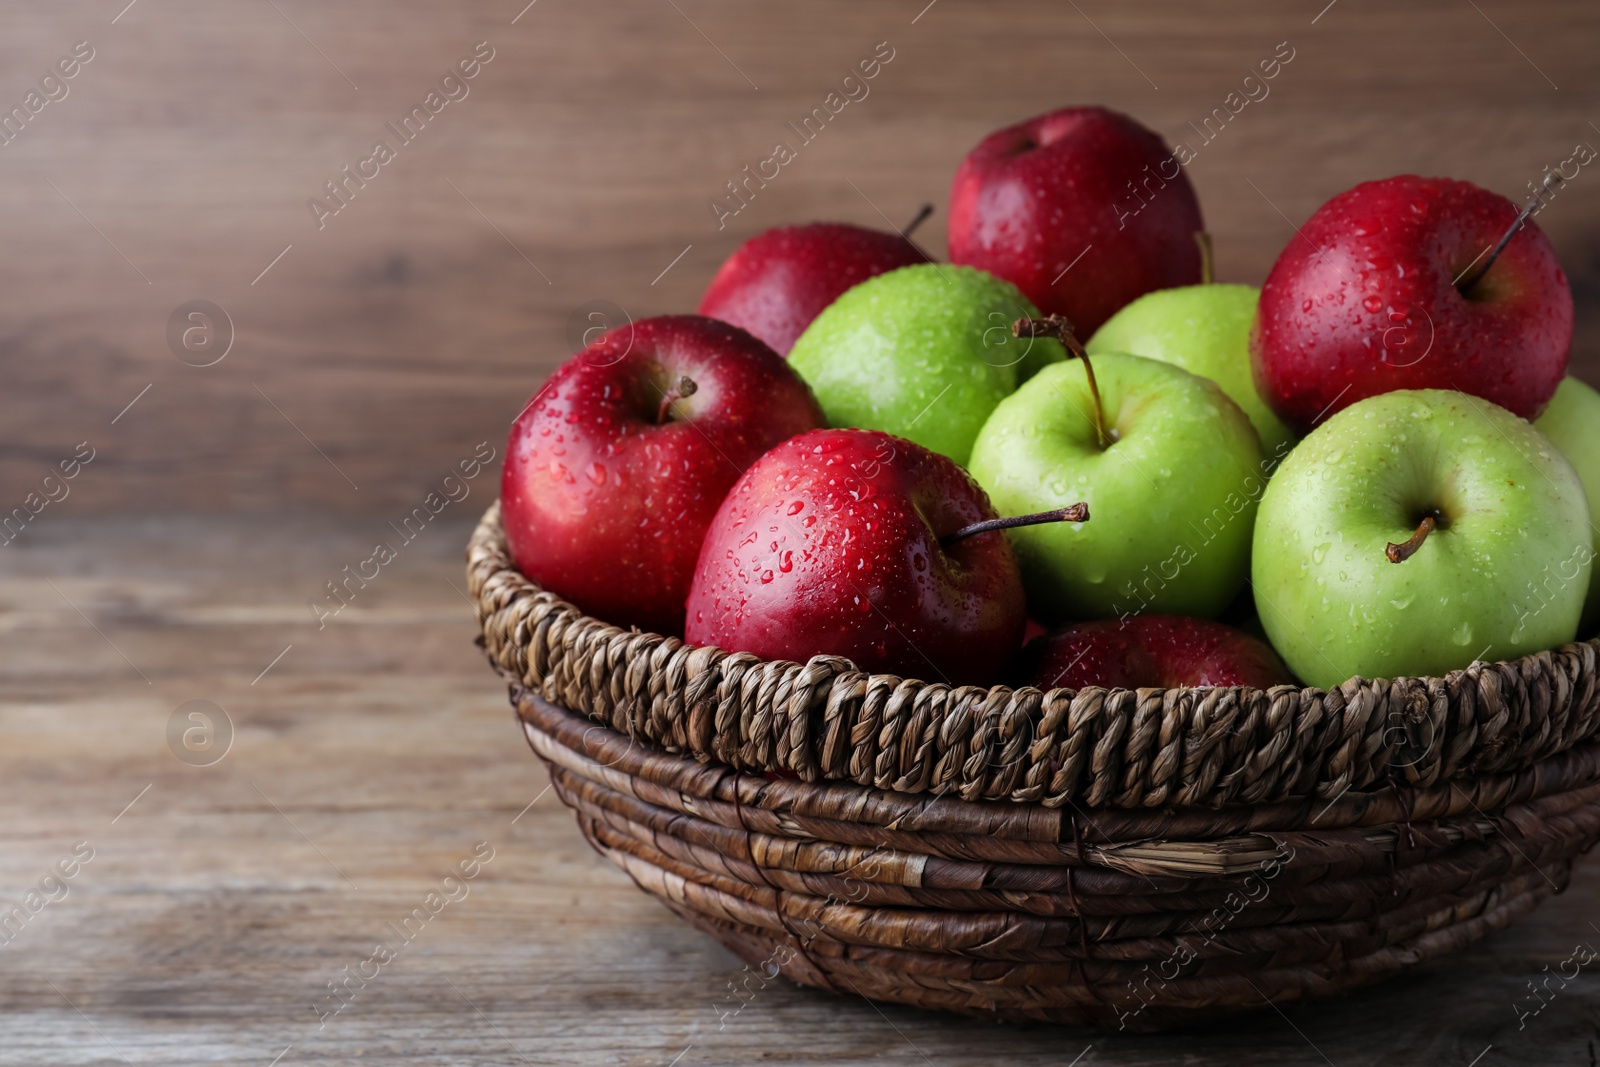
(1372, 296)
(1086, 182)
(838, 542)
(780, 280)
(1149, 651)
(615, 468)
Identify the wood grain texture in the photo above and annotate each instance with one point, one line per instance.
(419, 319)
(374, 753)
(369, 760)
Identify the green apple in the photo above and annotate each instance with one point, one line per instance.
(1172, 497)
(1205, 329)
(924, 352)
(1510, 514)
(1572, 422)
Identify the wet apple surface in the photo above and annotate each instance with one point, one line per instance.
(780, 280)
(831, 545)
(1149, 651)
(1033, 198)
(615, 467)
(1369, 299)
(1347, 580)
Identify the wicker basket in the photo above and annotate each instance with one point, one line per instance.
(1130, 860)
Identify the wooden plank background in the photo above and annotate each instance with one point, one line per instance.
(408, 329)
(373, 354)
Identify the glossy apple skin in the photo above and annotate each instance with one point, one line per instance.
(829, 545)
(1031, 197)
(924, 352)
(1149, 651)
(1172, 500)
(1363, 301)
(1205, 329)
(778, 281)
(603, 506)
(1503, 576)
(1572, 422)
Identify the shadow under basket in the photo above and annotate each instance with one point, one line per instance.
(1124, 859)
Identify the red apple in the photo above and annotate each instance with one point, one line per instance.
(1149, 651)
(1365, 300)
(831, 544)
(778, 281)
(1083, 181)
(616, 466)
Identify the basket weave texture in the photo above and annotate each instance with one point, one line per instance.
(1129, 860)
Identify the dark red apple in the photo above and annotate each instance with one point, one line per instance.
(1365, 300)
(1149, 652)
(831, 544)
(617, 465)
(780, 280)
(1086, 182)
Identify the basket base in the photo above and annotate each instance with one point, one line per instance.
(1119, 1009)
(1064, 936)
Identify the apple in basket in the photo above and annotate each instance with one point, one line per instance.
(859, 544)
(1400, 538)
(616, 466)
(1149, 651)
(1083, 209)
(1412, 283)
(778, 281)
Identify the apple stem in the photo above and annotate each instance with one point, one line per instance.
(686, 387)
(922, 216)
(1551, 182)
(1408, 548)
(1208, 271)
(1078, 512)
(1060, 328)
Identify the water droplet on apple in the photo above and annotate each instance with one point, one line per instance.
(786, 562)
(1462, 634)
(796, 508)
(1320, 553)
(766, 577)
(597, 473)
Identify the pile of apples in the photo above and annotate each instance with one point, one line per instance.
(853, 450)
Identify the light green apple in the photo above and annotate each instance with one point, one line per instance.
(1205, 329)
(1504, 573)
(1172, 498)
(1572, 422)
(924, 352)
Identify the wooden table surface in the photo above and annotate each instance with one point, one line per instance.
(375, 755)
(372, 352)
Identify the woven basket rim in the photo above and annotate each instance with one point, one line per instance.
(1210, 746)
